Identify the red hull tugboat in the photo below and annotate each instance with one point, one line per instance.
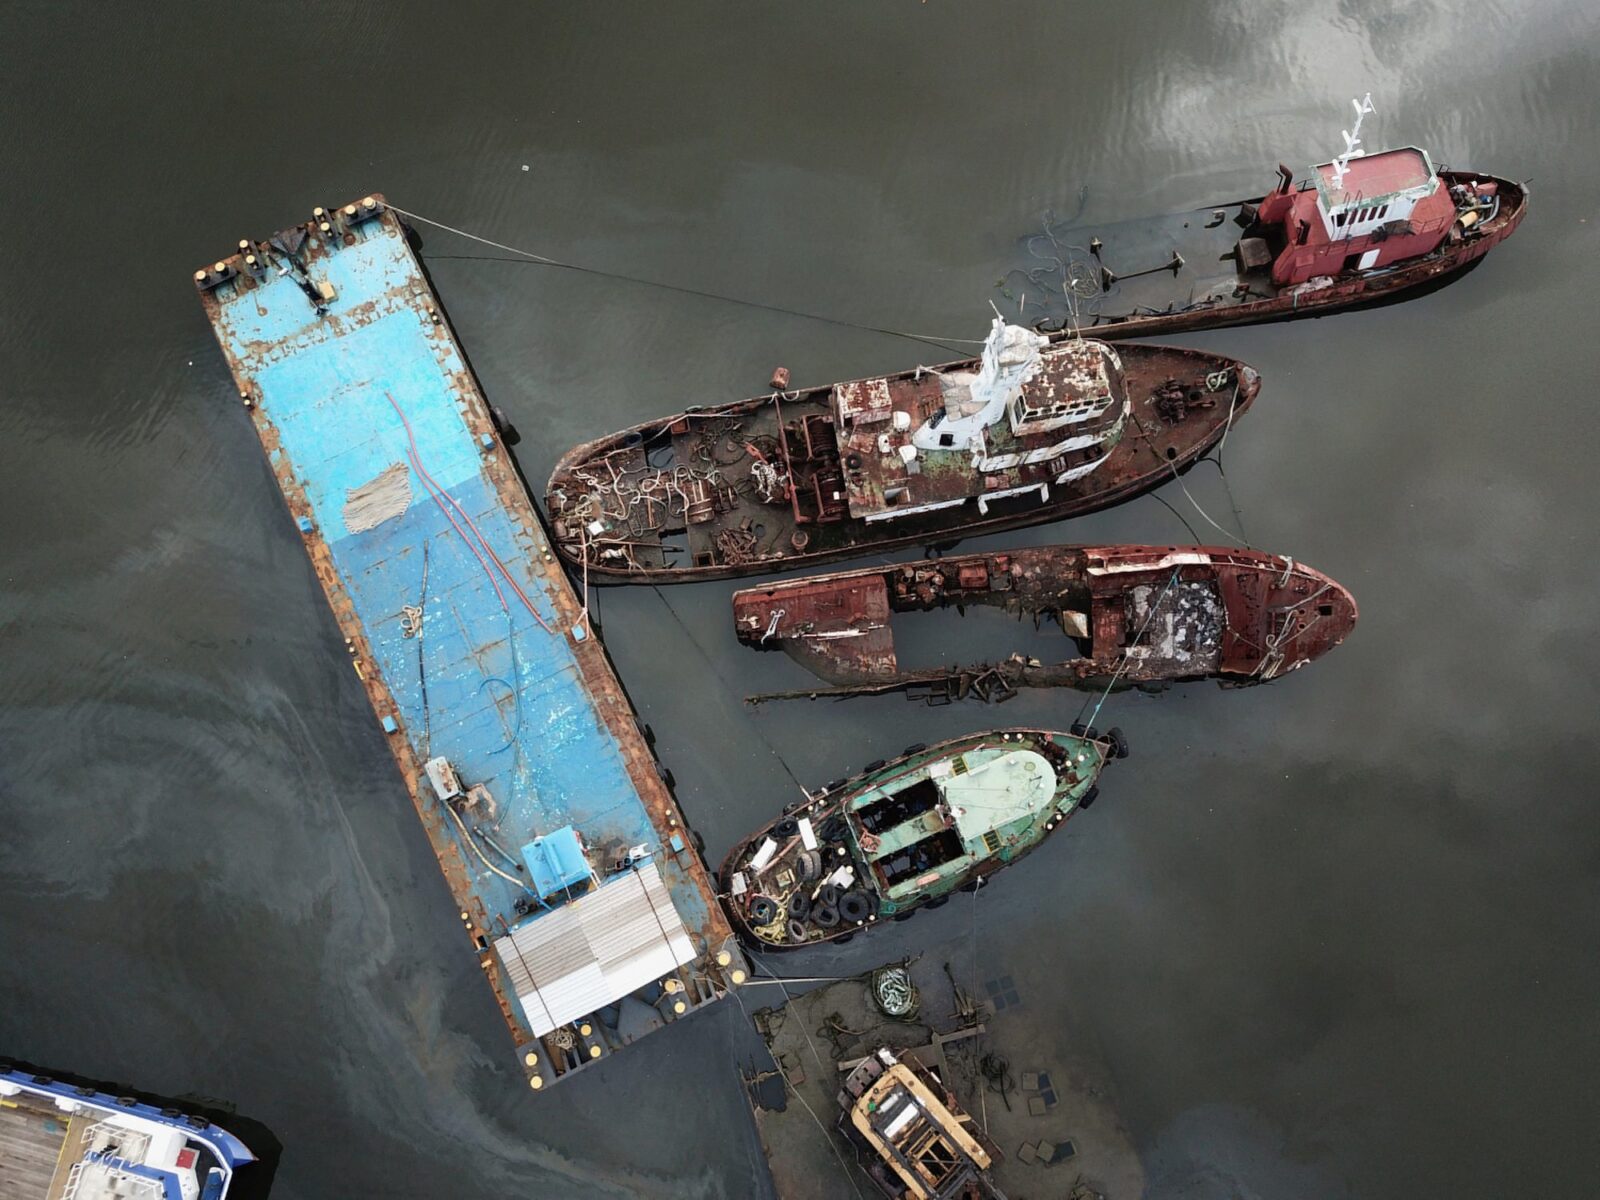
(1029, 432)
(1137, 615)
(1360, 230)
(906, 834)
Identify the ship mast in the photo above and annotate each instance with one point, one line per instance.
(1352, 140)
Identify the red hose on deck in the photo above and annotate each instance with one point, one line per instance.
(440, 496)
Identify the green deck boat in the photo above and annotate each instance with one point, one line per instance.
(905, 834)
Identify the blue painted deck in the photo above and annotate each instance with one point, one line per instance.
(508, 702)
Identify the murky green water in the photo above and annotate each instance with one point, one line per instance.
(1336, 935)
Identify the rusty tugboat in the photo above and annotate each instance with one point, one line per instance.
(1029, 432)
(1360, 230)
(1138, 615)
(906, 834)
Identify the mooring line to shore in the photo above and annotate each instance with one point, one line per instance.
(794, 1090)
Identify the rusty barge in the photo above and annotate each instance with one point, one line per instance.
(906, 834)
(1357, 231)
(581, 893)
(1134, 615)
(1026, 433)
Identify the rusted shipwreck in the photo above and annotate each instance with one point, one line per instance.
(1028, 432)
(907, 833)
(1134, 615)
(1359, 230)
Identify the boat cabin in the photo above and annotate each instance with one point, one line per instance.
(1361, 214)
(1032, 416)
(935, 823)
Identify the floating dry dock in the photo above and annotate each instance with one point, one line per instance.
(579, 888)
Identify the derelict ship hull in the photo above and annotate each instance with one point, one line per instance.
(833, 825)
(653, 536)
(1208, 291)
(1139, 615)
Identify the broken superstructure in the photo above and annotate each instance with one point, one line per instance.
(1134, 615)
(581, 894)
(926, 1146)
(1028, 432)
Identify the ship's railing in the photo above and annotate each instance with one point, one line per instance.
(107, 1137)
(128, 1185)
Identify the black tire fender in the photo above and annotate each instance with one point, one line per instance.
(853, 907)
(503, 426)
(762, 910)
(1118, 740)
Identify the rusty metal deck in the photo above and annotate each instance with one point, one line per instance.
(1137, 615)
(407, 501)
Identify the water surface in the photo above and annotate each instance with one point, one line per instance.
(1336, 935)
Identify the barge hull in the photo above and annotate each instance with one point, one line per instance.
(389, 460)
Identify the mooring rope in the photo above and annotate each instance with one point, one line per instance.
(1127, 660)
(542, 260)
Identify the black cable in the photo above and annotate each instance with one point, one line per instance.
(1215, 458)
(688, 291)
(1179, 515)
(696, 644)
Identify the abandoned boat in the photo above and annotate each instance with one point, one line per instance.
(912, 1137)
(1136, 615)
(907, 833)
(1029, 432)
(1359, 230)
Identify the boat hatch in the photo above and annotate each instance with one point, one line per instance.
(928, 854)
(899, 807)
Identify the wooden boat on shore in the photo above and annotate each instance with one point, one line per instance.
(906, 834)
(1135, 615)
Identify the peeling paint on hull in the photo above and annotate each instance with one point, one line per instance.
(1137, 614)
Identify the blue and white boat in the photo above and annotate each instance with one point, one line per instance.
(65, 1141)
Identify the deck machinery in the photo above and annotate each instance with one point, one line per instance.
(580, 890)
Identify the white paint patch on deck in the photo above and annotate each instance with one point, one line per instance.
(376, 501)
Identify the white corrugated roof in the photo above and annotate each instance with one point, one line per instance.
(594, 950)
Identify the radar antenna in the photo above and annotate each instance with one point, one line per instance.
(1352, 140)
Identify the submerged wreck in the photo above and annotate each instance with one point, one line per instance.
(1029, 1078)
(1359, 230)
(906, 834)
(1028, 432)
(1133, 614)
